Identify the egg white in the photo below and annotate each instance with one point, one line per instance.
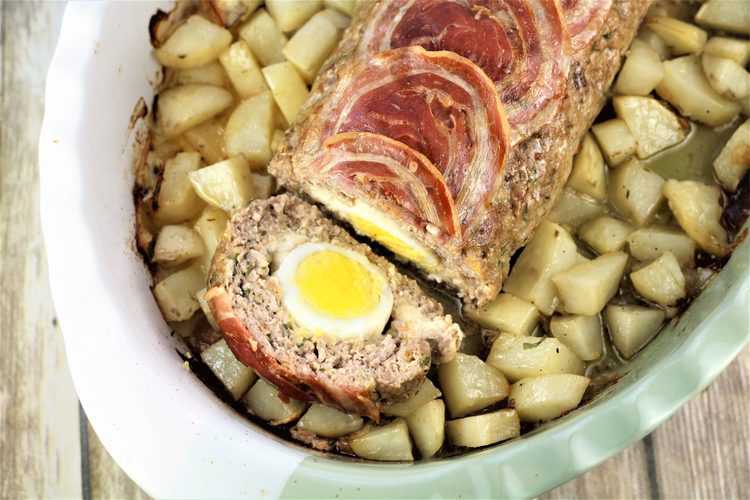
(311, 322)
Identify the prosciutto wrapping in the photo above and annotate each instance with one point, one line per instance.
(454, 124)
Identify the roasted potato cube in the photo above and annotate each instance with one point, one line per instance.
(573, 209)
(181, 108)
(506, 313)
(226, 185)
(615, 139)
(288, 88)
(661, 281)
(208, 140)
(208, 74)
(600, 278)
(230, 11)
(726, 77)
(635, 192)
(483, 430)
(426, 393)
(651, 242)
(243, 70)
(264, 401)
(726, 15)
(734, 160)
(311, 45)
(345, 6)
(250, 129)
(329, 422)
(589, 175)
(206, 308)
(177, 202)
(631, 327)
(235, 376)
(519, 357)
(730, 48)
(654, 41)
(177, 244)
(539, 399)
(196, 42)
(686, 87)
(210, 225)
(427, 427)
(264, 38)
(176, 293)
(681, 37)
(582, 334)
(469, 384)
(388, 443)
(291, 14)
(697, 208)
(550, 251)
(641, 72)
(605, 234)
(653, 125)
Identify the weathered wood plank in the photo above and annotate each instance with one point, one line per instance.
(39, 445)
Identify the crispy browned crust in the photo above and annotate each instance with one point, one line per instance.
(536, 169)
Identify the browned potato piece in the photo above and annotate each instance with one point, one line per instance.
(311, 45)
(235, 376)
(226, 185)
(651, 242)
(263, 400)
(196, 42)
(264, 38)
(329, 422)
(483, 430)
(208, 140)
(589, 173)
(653, 125)
(176, 293)
(600, 278)
(210, 225)
(636, 193)
(641, 72)
(427, 427)
(250, 129)
(388, 443)
(582, 334)
(616, 141)
(176, 245)
(177, 202)
(661, 281)
(631, 327)
(506, 313)
(288, 88)
(681, 37)
(734, 160)
(469, 384)
(181, 108)
(726, 15)
(730, 48)
(519, 357)
(697, 207)
(243, 70)
(539, 399)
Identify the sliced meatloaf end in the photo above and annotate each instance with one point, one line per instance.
(357, 376)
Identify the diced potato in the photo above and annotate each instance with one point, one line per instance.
(727, 15)
(235, 376)
(469, 385)
(176, 293)
(263, 186)
(539, 399)
(264, 38)
(506, 313)
(582, 334)
(651, 242)
(177, 201)
(730, 48)
(641, 72)
(483, 430)
(631, 327)
(249, 130)
(311, 45)
(605, 234)
(653, 125)
(520, 357)
(726, 77)
(734, 160)
(264, 401)
(635, 192)
(210, 225)
(345, 6)
(615, 139)
(589, 175)
(206, 308)
(277, 139)
(208, 74)
(573, 209)
(426, 393)
(226, 185)
(599, 278)
(388, 443)
(686, 87)
(196, 42)
(427, 427)
(697, 208)
(329, 422)
(243, 70)
(181, 108)
(230, 11)
(177, 244)
(291, 14)
(288, 88)
(654, 41)
(341, 21)
(550, 251)
(681, 37)
(661, 281)
(208, 140)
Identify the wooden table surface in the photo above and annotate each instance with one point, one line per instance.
(47, 448)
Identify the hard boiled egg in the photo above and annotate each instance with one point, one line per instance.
(334, 292)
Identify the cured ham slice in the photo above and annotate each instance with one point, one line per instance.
(520, 44)
(584, 19)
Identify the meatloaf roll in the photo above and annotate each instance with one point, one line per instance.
(445, 129)
(320, 315)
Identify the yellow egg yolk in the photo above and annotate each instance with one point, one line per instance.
(336, 285)
(393, 242)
